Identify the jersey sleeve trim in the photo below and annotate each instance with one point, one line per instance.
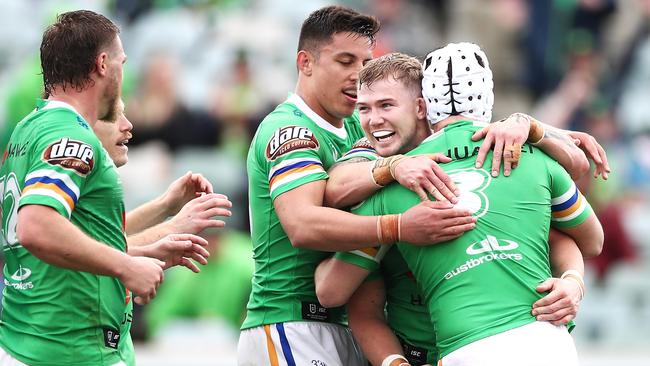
(569, 205)
(291, 170)
(52, 184)
(368, 154)
(368, 258)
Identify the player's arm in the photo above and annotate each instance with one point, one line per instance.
(55, 240)
(565, 292)
(519, 128)
(178, 194)
(572, 214)
(194, 217)
(368, 324)
(310, 225)
(336, 281)
(351, 181)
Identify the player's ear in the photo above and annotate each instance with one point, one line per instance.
(305, 62)
(420, 108)
(101, 63)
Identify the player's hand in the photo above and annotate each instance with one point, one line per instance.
(198, 214)
(502, 135)
(422, 175)
(561, 303)
(142, 275)
(184, 189)
(434, 222)
(593, 150)
(179, 249)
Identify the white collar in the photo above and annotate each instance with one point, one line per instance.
(51, 104)
(296, 100)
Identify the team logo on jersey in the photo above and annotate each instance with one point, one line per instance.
(491, 249)
(290, 138)
(70, 154)
(21, 274)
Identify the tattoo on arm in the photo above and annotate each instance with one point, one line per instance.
(552, 134)
(358, 159)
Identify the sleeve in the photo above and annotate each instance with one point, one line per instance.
(293, 157)
(569, 207)
(61, 162)
(370, 257)
(361, 149)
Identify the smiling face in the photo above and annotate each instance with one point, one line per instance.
(392, 116)
(115, 136)
(332, 74)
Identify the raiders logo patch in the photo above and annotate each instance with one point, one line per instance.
(362, 143)
(70, 154)
(290, 138)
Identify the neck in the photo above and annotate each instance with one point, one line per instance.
(304, 92)
(447, 121)
(85, 102)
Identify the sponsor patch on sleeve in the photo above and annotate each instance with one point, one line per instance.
(290, 138)
(70, 154)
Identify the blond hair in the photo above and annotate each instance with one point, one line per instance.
(399, 66)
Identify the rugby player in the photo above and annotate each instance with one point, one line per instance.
(336, 280)
(287, 163)
(192, 216)
(67, 270)
(508, 247)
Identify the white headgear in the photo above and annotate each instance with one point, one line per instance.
(458, 81)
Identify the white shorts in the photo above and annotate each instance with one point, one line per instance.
(299, 343)
(534, 344)
(7, 360)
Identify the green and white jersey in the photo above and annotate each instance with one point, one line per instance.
(293, 146)
(483, 283)
(406, 312)
(51, 314)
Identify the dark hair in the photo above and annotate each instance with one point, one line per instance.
(399, 66)
(323, 23)
(70, 46)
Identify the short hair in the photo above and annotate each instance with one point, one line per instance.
(399, 66)
(323, 23)
(70, 46)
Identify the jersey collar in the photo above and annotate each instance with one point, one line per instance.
(52, 104)
(296, 100)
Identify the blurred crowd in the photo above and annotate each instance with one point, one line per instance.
(201, 74)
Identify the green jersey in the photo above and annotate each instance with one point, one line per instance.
(483, 283)
(406, 313)
(293, 146)
(51, 314)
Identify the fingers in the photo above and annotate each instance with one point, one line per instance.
(201, 183)
(480, 134)
(483, 151)
(457, 230)
(419, 191)
(142, 300)
(189, 265)
(545, 286)
(497, 154)
(559, 316)
(188, 239)
(443, 183)
(197, 257)
(439, 158)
